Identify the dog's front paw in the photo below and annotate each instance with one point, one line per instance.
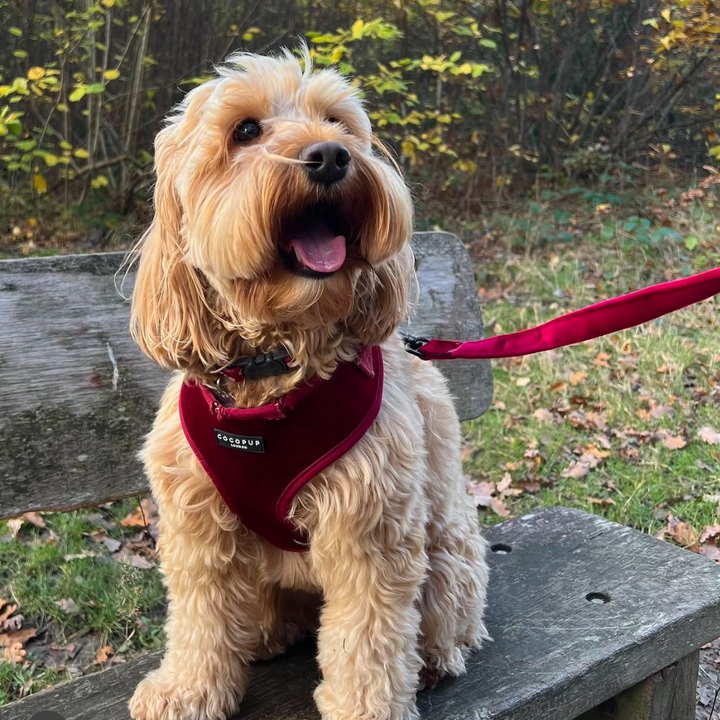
(350, 705)
(157, 698)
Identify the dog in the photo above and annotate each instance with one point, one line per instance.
(281, 222)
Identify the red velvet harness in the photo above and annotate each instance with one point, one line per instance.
(260, 458)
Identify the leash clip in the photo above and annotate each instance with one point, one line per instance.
(413, 343)
(262, 366)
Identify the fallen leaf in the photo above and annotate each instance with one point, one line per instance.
(543, 415)
(710, 551)
(36, 519)
(103, 654)
(601, 501)
(522, 382)
(15, 653)
(708, 435)
(6, 612)
(670, 441)
(710, 533)
(499, 405)
(17, 636)
(558, 386)
(601, 360)
(69, 606)
(15, 524)
(498, 507)
(481, 492)
(577, 378)
(126, 557)
(143, 516)
(681, 532)
(504, 484)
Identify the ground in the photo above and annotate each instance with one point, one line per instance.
(626, 426)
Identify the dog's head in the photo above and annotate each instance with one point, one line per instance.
(276, 211)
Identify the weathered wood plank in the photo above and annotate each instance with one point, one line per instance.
(448, 308)
(65, 327)
(555, 655)
(666, 695)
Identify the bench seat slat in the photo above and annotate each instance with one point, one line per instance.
(555, 655)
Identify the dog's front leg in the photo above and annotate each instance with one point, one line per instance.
(213, 620)
(368, 638)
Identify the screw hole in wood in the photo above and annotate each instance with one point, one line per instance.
(598, 598)
(501, 549)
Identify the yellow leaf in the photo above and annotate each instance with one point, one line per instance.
(39, 183)
(357, 29)
(408, 147)
(666, 14)
(82, 153)
(36, 73)
(111, 74)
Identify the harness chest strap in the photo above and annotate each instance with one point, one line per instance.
(260, 458)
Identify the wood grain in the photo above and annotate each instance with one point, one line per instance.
(77, 396)
(666, 695)
(555, 655)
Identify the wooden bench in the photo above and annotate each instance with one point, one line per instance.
(589, 619)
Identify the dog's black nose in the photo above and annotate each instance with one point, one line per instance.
(327, 162)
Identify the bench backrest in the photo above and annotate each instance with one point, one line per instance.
(77, 396)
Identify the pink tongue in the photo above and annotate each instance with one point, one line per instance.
(318, 249)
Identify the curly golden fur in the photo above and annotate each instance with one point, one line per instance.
(396, 562)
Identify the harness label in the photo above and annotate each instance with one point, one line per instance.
(248, 443)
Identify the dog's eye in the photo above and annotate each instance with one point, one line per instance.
(332, 119)
(246, 131)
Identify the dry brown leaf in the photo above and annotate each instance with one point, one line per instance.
(708, 435)
(15, 653)
(681, 532)
(103, 654)
(498, 507)
(601, 501)
(543, 415)
(577, 378)
(710, 533)
(576, 470)
(144, 516)
(481, 492)
(504, 484)
(558, 386)
(17, 636)
(36, 519)
(7, 611)
(601, 360)
(670, 441)
(14, 525)
(126, 557)
(710, 551)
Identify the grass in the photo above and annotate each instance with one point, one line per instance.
(664, 376)
(609, 400)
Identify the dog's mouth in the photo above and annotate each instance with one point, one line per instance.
(314, 242)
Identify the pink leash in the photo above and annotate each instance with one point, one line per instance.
(602, 318)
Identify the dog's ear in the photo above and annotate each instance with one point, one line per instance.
(170, 317)
(382, 298)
